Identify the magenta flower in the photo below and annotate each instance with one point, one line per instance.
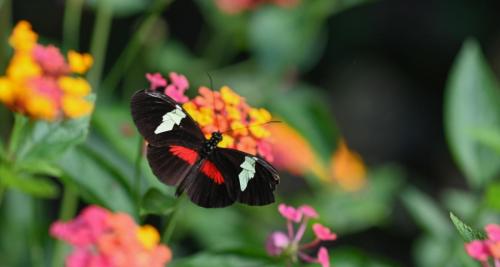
(323, 257)
(177, 88)
(51, 60)
(290, 213)
(477, 250)
(323, 233)
(278, 243)
(156, 80)
(493, 231)
(484, 250)
(309, 211)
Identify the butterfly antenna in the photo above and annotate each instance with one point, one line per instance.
(213, 102)
(250, 126)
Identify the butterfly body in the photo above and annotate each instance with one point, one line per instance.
(180, 155)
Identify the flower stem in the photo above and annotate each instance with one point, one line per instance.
(68, 210)
(170, 226)
(16, 135)
(137, 173)
(312, 244)
(301, 231)
(132, 48)
(290, 229)
(71, 26)
(306, 257)
(5, 25)
(99, 42)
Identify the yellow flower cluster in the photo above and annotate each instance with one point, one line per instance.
(40, 83)
(225, 111)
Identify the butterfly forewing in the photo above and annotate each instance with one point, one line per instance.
(162, 121)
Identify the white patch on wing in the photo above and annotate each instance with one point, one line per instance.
(170, 119)
(247, 171)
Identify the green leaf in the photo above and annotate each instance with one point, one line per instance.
(156, 202)
(467, 232)
(96, 181)
(426, 213)
(27, 183)
(472, 102)
(489, 137)
(355, 211)
(115, 125)
(40, 167)
(493, 195)
(49, 140)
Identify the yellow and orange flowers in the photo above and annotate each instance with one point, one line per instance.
(40, 83)
(104, 239)
(348, 169)
(243, 127)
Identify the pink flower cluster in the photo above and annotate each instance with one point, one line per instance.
(104, 239)
(237, 6)
(484, 250)
(279, 243)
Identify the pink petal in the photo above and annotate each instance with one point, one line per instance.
(156, 80)
(179, 80)
(323, 257)
(51, 60)
(477, 250)
(290, 213)
(309, 211)
(323, 233)
(176, 94)
(276, 243)
(493, 231)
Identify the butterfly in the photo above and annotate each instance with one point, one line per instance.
(180, 155)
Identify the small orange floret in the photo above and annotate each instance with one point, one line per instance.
(348, 168)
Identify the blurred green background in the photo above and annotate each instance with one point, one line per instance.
(411, 86)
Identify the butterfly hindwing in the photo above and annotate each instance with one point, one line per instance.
(162, 121)
(253, 179)
(207, 187)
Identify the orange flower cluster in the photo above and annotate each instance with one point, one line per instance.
(105, 239)
(346, 168)
(225, 111)
(40, 83)
(242, 126)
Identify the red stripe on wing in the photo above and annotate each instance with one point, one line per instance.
(209, 169)
(188, 155)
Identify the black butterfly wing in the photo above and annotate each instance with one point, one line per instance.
(163, 121)
(173, 162)
(253, 179)
(207, 187)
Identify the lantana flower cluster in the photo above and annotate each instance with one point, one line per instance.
(242, 126)
(101, 238)
(486, 250)
(237, 6)
(289, 244)
(40, 82)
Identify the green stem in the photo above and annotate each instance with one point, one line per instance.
(71, 26)
(68, 211)
(16, 135)
(99, 42)
(170, 226)
(137, 173)
(5, 25)
(133, 47)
